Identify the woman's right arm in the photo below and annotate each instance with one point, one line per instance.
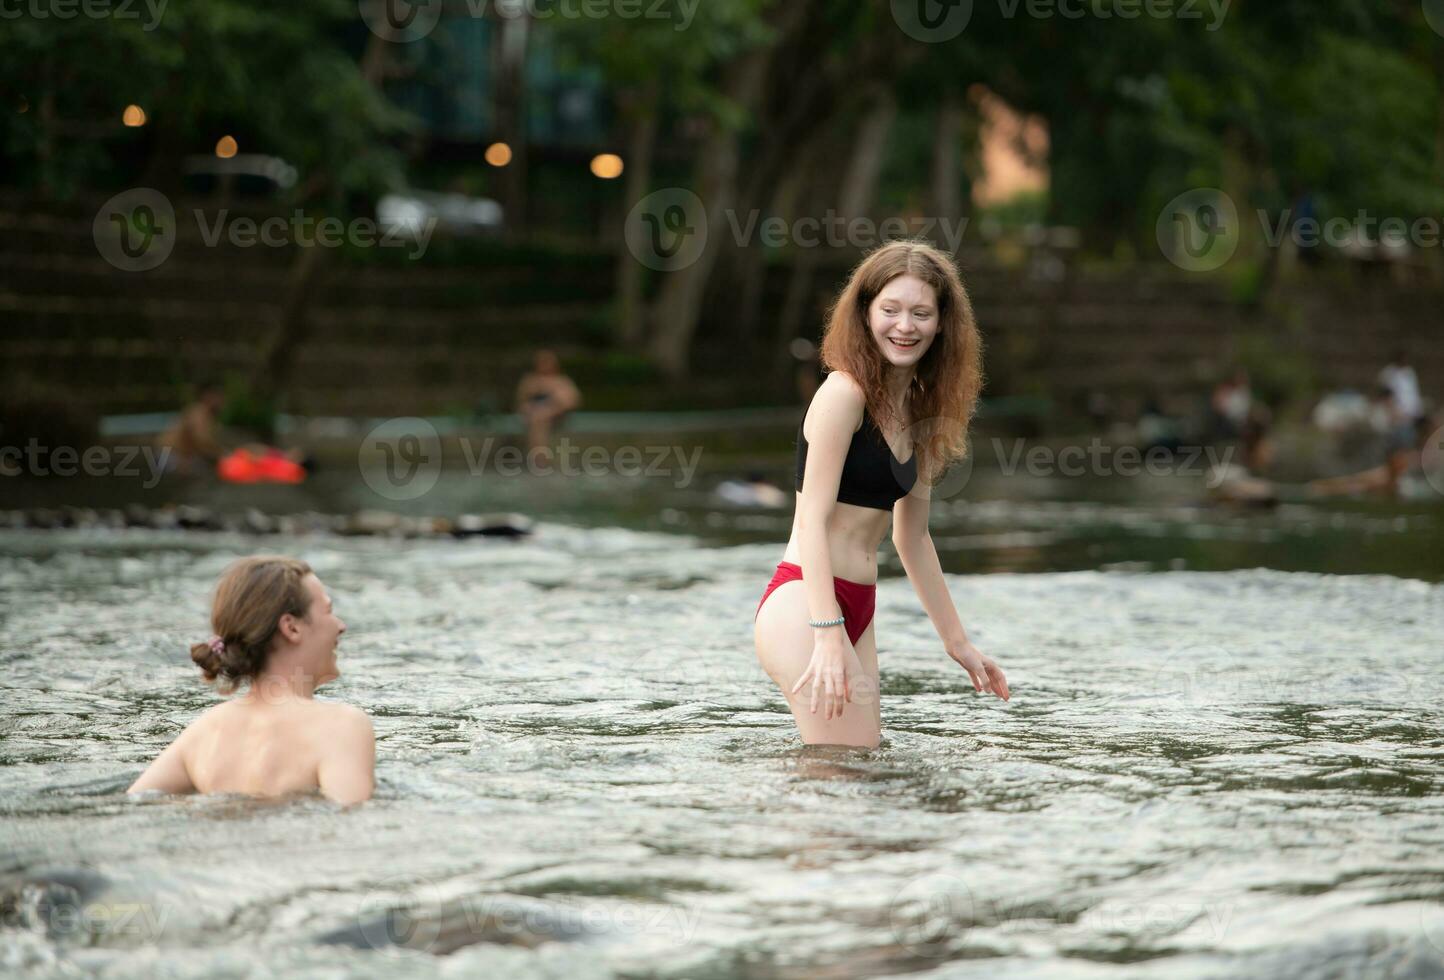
(833, 417)
(168, 773)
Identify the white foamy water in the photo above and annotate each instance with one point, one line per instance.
(582, 772)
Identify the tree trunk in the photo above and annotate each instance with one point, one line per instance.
(947, 163)
(45, 140)
(854, 196)
(788, 108)
(869, 152)
(631, 324)
(679, 305)
(816, 181)
(273, 370)
(510, 49)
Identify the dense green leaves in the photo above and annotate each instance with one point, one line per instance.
(1340, 99)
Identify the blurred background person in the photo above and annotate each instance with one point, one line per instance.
(809, 368)
(192, 439)
(1244, 478)
(753, 490)
(1404, 474)
(1157, 429)
(1230, 404)
(1403, 383)
(544, 398)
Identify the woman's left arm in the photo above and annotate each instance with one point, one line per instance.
(920, 560)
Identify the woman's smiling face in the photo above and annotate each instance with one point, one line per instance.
(904, 320)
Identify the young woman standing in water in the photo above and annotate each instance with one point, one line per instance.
(905, 362)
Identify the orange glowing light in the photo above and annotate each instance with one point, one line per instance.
(498, 154)
(608, 166)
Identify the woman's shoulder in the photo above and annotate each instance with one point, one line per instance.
(839, 397)
(342, 717)
(840, 392)
(840, 384)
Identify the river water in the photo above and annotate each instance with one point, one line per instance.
(582, 772)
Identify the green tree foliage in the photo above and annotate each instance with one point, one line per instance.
(284, 78)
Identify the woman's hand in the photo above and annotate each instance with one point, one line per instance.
(833, 666)
(987, 676)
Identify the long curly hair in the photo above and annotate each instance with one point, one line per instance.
(949, 378)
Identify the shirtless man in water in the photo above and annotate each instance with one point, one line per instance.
(191, 439)
(544, 397)
(276, 630)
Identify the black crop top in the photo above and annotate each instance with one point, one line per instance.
(871, 475)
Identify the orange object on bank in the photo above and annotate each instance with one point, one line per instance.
(272, 466)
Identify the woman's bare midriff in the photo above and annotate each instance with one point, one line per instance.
(853, 536)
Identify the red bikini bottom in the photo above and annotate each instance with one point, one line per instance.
(858, 600)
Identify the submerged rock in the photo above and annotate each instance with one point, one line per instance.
(445, 927)
(49, 902)
(491, 525)
(188, 517)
